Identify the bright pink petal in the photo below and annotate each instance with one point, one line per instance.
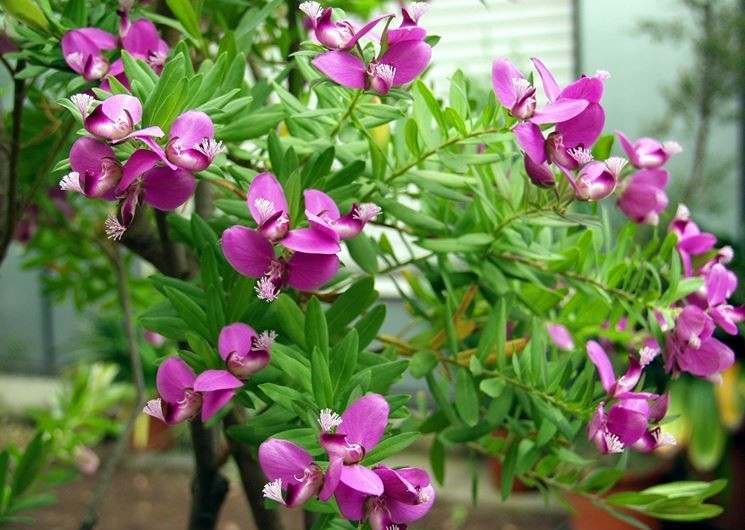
(190, 128)
(173, 377)
(531, 139)
(409, 58)
(235, 338)
(342, 68)
(365, 420)
(362, 479)
(213, 380)
(306, 272)
(265, 187)
(138, 163)
(311, 241)
(351, 502)
(585, 128)
(503, 74)
(601, 361)
(558, 111)
(587, 88)
(550, 86)
(319, 203)
(166, 189)
(246, 251)
(629, 425)
(212, 402)
(283, 459)
(331, 478)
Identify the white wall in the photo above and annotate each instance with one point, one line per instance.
(633, 100)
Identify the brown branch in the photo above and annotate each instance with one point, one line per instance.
(208, 487)
(252, 478)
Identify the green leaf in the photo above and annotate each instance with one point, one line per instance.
(316, 330)
(466, 397)
(252, 124)
(293, 364)
(363, 252)
(492, 387)
(390, 446)
(320, 377)
(368, 326)
(27, 12)
(350, 304)
(475, 242)
(184, 11)
(343, 362)
(422, 363)
(29, 465)
(291, 319)
(192, 314)
(411, 217)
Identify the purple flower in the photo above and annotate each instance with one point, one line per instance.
(191, 142)
(83, 48)
(95, 170)
(312, 259)
(144, 179)
(335, 35)
(115, 118)
(358, 430)
(401, 63)
(323, 213)
(244, 351)
(183, 394)
(407, 496)
(641, 196)
(596, 180)
(560, 336)
(516, 94)
(289, 468)
(720, 284)
(409, 28)
(691, 346)
(691, 240)
(648, 153)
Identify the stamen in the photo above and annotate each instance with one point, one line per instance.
(581, 155)
(612, 443)
(683, 213)
(266, 290)
(647, 355)
(615, 164)
(423, 497)
(522, 87)
(694, 342)
(386, 72)
(312, 9)
(114, 229)
(602, 74)
(154, 408)
(366, 211)
(662, 438)
(156, 59)
(328, 420)
(264, 341)
(417, 9)
(71, 182)
(210, 148)
(75, 59)
(83, 102)
(671, 148)
(265, 207)
(273, 491)
(725, 255)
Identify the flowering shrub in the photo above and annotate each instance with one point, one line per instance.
(269, 184)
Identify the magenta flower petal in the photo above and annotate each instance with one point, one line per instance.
(319, 203)
(138, 163)
(235, 338)
(709, 360)
(560, 110)
(307, 272)
(351, 502)
(99, 170)
(212, 380)
(283, 459)
(342, 68)
(213, 401)
(311, 241)
(173, 377)
(531, 139)
(588, 88)
(628, 424)
(266, 198)
(362, 479)
(560, 336)
(585, 128)
(503, 74)
(409, 58)
(331, 479)
(365, 420)
(167, 189)
(246, 251)
(601, 361)
(550, 86)
(189, 136)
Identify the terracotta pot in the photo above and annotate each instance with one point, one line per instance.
(151, 434)
(587, 516)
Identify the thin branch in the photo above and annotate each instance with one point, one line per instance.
(91, 514)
